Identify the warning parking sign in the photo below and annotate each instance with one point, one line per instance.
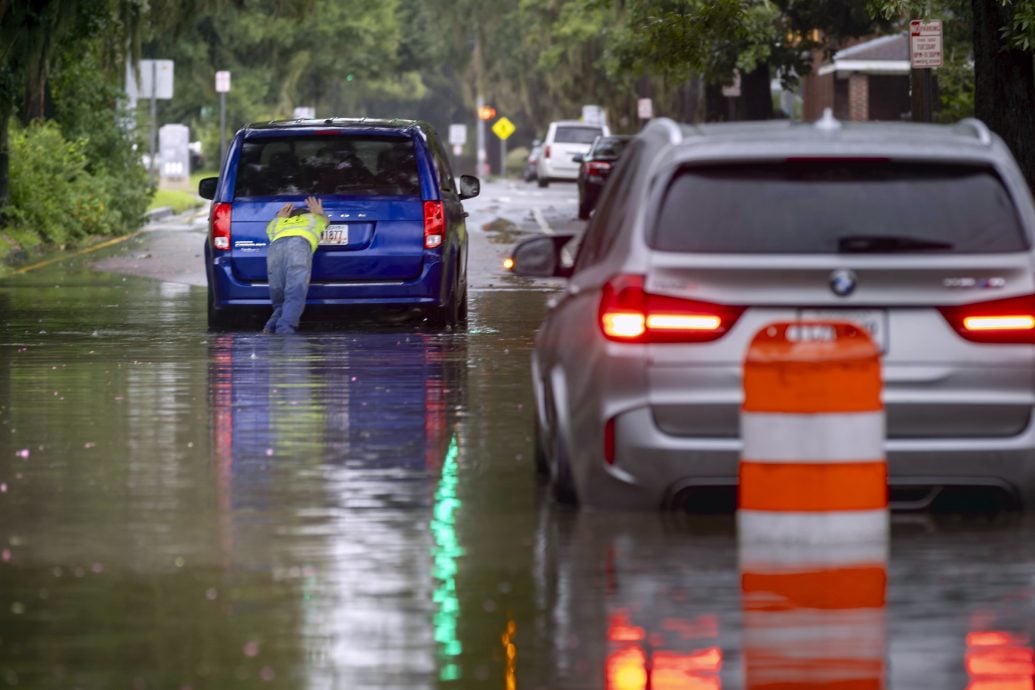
(925, 43)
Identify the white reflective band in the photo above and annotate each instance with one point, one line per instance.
(812, 528)
(771, 556)
(839, 437)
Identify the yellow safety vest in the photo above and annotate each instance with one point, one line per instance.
(305, 225)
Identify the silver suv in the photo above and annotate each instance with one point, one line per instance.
(921, 233)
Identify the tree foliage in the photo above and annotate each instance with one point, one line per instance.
(534, 60)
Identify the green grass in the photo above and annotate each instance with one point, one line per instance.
(180, 201)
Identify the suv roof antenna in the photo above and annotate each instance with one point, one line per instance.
(828, 123)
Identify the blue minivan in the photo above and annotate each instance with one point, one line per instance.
(397, 237)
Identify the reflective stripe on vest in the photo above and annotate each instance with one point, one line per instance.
(306, 225)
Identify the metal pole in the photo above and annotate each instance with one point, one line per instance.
(222, 126)
(479, 102)
(922, 82)
(928, 75)
(503, 157)
(154, 120)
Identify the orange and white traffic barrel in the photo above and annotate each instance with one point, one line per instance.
(812, 466)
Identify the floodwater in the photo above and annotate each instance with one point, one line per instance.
(355, 508)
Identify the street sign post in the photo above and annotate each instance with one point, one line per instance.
(222, 86)
(156, 81)
(458, 137)
(503, 128)
(925, 43)
(925, 54)
(645, 108)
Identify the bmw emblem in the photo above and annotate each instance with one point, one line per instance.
(842, 282)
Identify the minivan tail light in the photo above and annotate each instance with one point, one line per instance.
(628, 313)
(219, 225)
(434, 224)
(1009, 320)
(546, 151)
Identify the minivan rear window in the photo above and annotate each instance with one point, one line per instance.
(823, 206)
(327, 164)
(576, 135)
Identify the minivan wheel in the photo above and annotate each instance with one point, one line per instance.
(461, 316)
(447, 315)
(218, 319)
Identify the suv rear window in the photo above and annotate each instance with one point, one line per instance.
(576, 135)
(820, 207)
(324, 164)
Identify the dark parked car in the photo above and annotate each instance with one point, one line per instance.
(397, 236)
(707, 234)
(594, 169)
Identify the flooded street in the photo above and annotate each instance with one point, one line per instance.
(356, 508)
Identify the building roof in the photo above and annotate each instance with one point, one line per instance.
(883, 55)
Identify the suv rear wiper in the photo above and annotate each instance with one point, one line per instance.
(888, 243)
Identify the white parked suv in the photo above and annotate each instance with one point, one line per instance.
(564, 140)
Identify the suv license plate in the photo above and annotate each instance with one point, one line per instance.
(875, 321)
(335, 234)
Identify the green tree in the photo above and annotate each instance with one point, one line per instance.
(1004, 66)
(713, 39)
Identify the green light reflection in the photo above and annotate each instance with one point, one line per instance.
(445, 554)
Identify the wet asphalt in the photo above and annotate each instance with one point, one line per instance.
(355, 508)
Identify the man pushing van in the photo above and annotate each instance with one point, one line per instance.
(294, 233)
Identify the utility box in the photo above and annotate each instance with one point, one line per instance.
(174, 153)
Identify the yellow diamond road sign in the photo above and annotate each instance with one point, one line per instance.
(503, 128)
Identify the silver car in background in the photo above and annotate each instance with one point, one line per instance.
(705, 234)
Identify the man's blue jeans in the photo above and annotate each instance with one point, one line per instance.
(289, 261)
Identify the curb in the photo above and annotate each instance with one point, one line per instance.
(159, 213)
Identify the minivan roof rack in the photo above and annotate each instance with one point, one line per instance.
(976, 128)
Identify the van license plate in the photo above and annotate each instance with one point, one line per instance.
(335, 234)
(875, 321)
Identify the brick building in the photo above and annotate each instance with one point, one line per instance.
(866, 81)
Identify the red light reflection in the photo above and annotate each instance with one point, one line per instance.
(636, 664)
(998, 660)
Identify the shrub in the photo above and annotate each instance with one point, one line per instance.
(52, 194)
(88, 108)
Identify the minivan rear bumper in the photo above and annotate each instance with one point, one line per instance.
(228, 291)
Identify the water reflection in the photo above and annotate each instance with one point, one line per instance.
(999, 660)
(814, 614)
(634, 604)
(349, 425)
(637, 602)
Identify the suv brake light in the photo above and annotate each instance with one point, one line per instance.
(1010, 320)
(628, 313)
(434, 224)
(546, 151)
(219, 225)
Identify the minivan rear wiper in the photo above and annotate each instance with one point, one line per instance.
(888, 243)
